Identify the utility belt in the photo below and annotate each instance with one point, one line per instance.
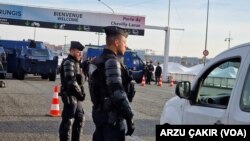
(64, 93)
(106, 106)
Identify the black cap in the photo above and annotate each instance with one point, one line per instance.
(115, 31)
(76, 45)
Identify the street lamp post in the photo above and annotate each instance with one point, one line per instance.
(98, 39)
(166, 49)
(206, 32)
(34, 33)
(228, 39)
(65, 37)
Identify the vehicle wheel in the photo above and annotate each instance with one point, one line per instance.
(2, 84)
(2, 76)
(44, 76)
(20, 74)
(52, 76)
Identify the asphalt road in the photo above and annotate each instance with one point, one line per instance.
(24, 106)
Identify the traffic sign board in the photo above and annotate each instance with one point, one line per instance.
(205, 52)
(68, 19)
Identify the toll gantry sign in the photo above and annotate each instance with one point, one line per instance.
(68, 19)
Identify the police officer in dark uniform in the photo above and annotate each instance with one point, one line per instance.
(150, 69)
(111, 90)
(158, 72)
(72, 94)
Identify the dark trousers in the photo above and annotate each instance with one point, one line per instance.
(157, 79)
(149, 77)
(72, 119)
(105, 131)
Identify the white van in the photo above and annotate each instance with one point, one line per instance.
(219, 94)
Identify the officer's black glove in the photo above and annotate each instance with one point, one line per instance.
(79, 79)
(131, 91)
(82, 96)
(130, 127)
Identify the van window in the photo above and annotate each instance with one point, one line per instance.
(136, 61)
(39, 52)
(215, 90)
(245, 97)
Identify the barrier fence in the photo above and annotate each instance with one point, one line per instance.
(210, 81)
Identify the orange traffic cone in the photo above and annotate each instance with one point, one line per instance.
(54, 109)
(160, 82)
(2, 84)
(143, 81)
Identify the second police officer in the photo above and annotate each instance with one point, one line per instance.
(111, 90)
(72, 94)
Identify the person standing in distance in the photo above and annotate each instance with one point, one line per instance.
(72, 94)
(150, 68)
(158, 72)
(110, 90)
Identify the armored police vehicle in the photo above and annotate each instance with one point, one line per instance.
(131, 60)
(29, 57)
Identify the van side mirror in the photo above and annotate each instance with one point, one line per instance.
(183, 89)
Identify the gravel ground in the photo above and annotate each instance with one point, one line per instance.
(24, 106)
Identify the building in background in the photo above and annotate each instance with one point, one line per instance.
(58, 49)
(149, 54)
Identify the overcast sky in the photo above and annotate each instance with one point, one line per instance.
(225, 16)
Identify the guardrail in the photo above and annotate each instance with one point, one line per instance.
(210, 81)
(182, 77)
(219, 82)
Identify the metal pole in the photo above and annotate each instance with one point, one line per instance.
(34, 33)
(166, 55)
(64, 44)
(168, 13)
(228, 39)
(206, 31)
(98, 38)
(166, 49)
